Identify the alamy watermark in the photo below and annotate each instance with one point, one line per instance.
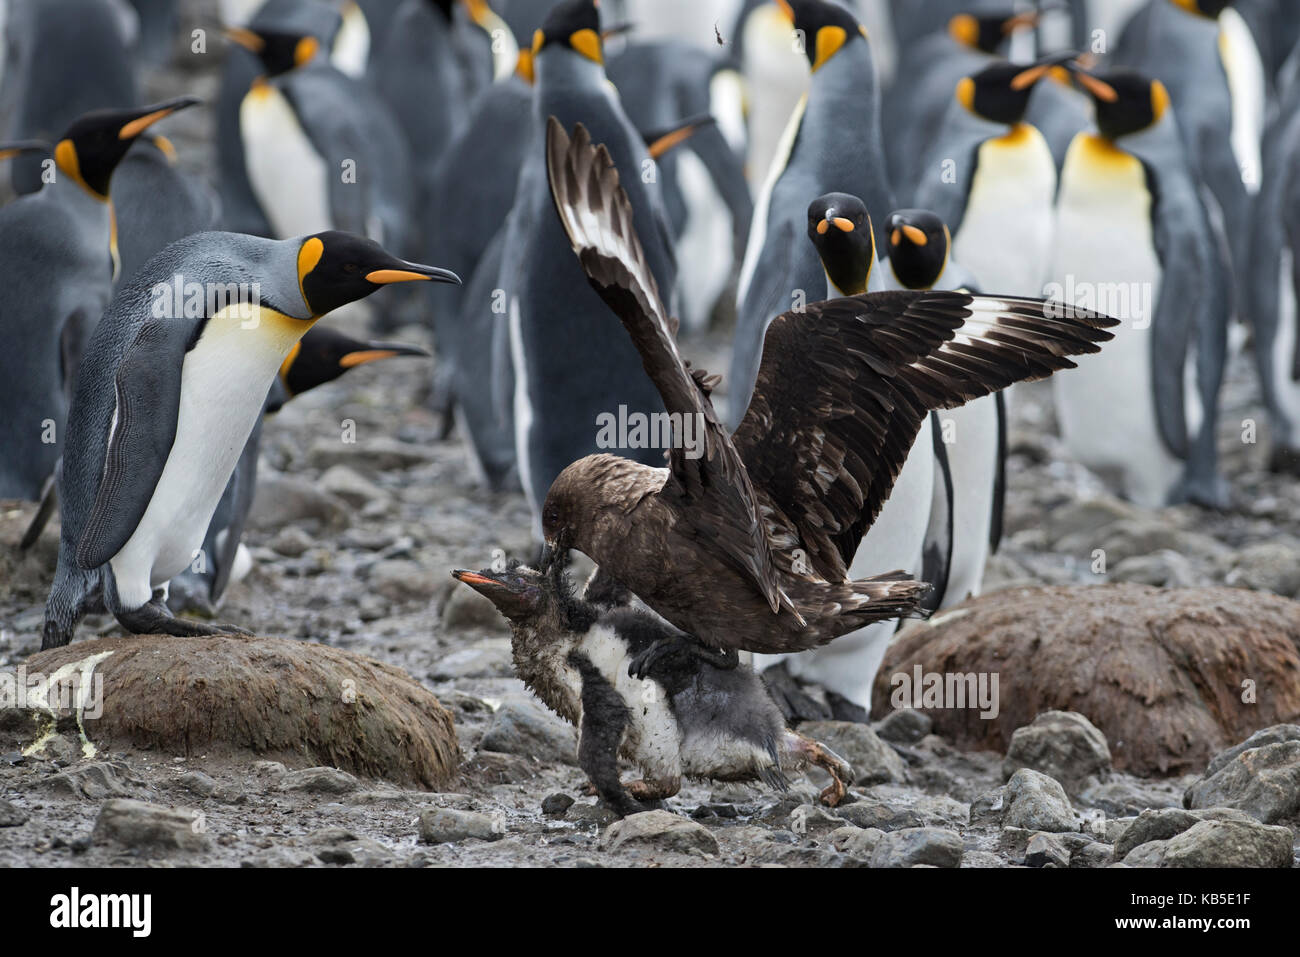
(64, 694)
(1129, 302)
(651, 430)
(933, 691)
(178, 299)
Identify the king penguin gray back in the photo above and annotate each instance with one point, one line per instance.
(58, 258)
(571, 364)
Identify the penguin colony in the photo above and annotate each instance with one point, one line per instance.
(904, 206)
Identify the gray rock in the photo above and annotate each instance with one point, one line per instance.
(904, 726)
(890, 809)
(990, 808)
(1154, 825)
(399, 579)
(590, 814)
(661, 831)
(859, 842)
(489, 658)
(554, 805)
(934, 846)
(1124, 798)
(291, 542)
(1038, 803)
(1163, 569)
(320, 781)
(445, 825)
(1218, 844)
(1092, 854)
(352, 487)
(94, 782)
(336, 845)
(280, 857)
(374, 455)
(1044, 849)
(1263, 781)
(1277, 734)
(466, 608)
(196, 782)
(1267, 566)
(282, 500)
(873, 761)
(1062, 744)
(1087, 516)
(522, 726)
(11, 815)
(139, 824)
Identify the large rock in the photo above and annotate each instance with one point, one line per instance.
(1159, 672)
(282, 500)
(1061, 744)
(304, 704)
(1037, 802)
(1260, 776)
(1218, 844)
(662, 831)
(139, 824)
(934, 846)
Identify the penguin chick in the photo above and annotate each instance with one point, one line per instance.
(685, 718)
(164, 406)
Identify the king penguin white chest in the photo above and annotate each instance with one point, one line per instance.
(224, 381)
(289, 177)
(1105, 259)
(1006, 232)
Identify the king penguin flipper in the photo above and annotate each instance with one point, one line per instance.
(148, 387)
(1181, 296)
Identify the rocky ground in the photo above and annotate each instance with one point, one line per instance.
(353, 544)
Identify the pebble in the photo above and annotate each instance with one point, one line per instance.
(1044, 849)
(401, 580)
(11, 815)
(283, 500)
(320, 781)
(444, 825)
(554, 805)
(904, 726)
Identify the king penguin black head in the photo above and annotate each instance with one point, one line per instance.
(574, 24)
(324, 354)
(96, 142)
(519, 592)
(279, 51)
(1000, 92)
(1125, 101)
(918, 247)
(336, 268)
(986, 32)
(840, 227)
(824, 27)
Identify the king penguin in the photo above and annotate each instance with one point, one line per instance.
(570, 365)
(970, 441)
(320, 150)
(1206, 57)
(840, 229)
(66, 58)
(58, 258)
(831, 143)
(167, 399)
(1133, 238)
(995, 184)
(322, 355)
